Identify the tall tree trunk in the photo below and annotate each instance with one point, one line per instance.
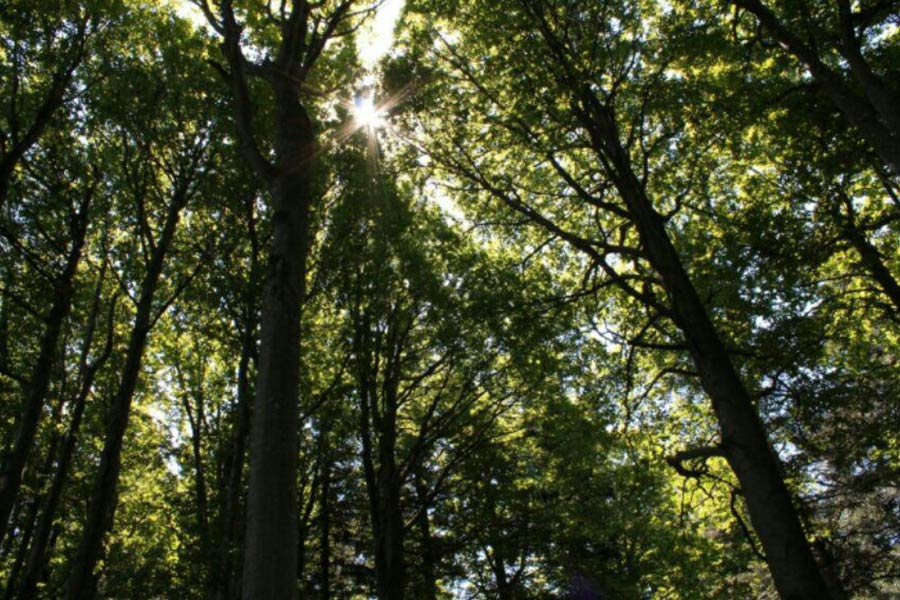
(22, 551)
(229, 576)
(38, 479)
(385, 536)
(743, 438)
(383, 486)
(233, 518)
(744, 442)
(80, 584)
(304, 523)
(196, 420)
(29, 418)
(270, 560)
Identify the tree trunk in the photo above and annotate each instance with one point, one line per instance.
(429, 556)
(746, 447)
(38, 552)
(29, 418)
(872, 261)
(229, 576)
(382, 484)
(234, 508)
(229, 582)
(196, 420)
(389, 564)
(22, 551)
(325, 533)
(387, 516)
(270, 560)
(307, 504)
(80, 584)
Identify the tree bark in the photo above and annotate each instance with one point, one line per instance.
(429, 556)
(22, 551)
(388, 527)
(196, 420)
(228, 580)
(378, 430)
(270, 560)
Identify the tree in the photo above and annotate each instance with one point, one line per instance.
(597, 99)
(294, 40)
(161, 164)
(840, 49)
(461, 313)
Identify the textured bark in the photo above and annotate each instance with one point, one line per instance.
(30, 415)
(80, 584)
(270, 560)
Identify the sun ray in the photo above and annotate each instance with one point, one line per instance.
(366, 114)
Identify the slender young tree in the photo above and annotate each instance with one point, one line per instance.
(63, 286)
(154, 166)
(88, 369)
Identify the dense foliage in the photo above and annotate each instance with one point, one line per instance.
(598, 299)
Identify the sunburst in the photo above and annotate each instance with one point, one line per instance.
(366, 114)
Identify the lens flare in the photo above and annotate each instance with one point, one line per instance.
(366, 114)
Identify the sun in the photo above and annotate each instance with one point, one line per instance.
(366, 113)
